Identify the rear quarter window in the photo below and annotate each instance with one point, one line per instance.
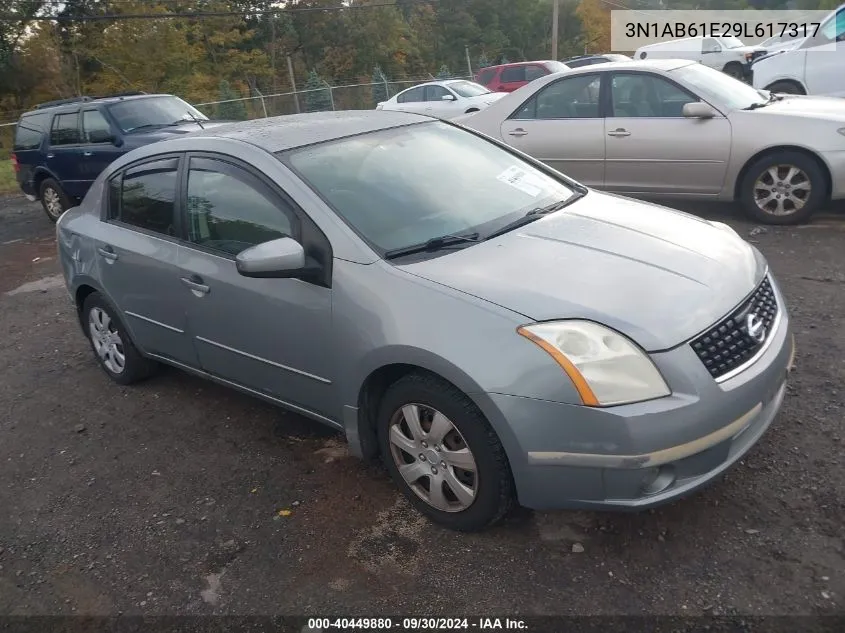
(30, 131)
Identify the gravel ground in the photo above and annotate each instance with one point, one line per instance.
(165, 498)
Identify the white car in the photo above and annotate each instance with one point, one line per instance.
(815, 66)
(677, 129)
(726, 53)
(443, 99)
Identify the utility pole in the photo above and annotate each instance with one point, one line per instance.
(555, 16)
(293, 84)
(469, 62)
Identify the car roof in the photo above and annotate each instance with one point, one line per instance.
(277, 134)
(533, 61)
(634, 64)
(70, 104)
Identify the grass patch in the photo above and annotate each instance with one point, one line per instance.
(8, 182)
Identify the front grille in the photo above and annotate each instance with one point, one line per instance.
(728, 344)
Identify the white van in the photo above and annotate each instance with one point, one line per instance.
(726, 53)
(815, 67)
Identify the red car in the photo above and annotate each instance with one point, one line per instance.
(509, 77)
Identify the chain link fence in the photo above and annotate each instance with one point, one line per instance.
(363, 96)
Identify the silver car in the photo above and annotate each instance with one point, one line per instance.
(497, 332)
(679, 129)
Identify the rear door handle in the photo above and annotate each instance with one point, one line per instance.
(87, 153)
(51, 155)
(194, 282)
(518, 132)
(108, 253)
(619, 132)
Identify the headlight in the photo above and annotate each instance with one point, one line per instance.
(605, 367)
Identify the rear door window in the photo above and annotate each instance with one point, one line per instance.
(30, 131)
(65, 129)
(412, 96)
(148, 197)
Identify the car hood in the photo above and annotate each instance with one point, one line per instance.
(657, 275)
(829, 108)
(175, 131)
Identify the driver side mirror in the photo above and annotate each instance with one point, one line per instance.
(447, 98)
(698, 110)
(283, 258)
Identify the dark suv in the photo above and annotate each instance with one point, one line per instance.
(62, 146)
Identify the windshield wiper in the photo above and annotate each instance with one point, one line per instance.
(536, 214)
(149, 125)
(432, 245)
(772, 98)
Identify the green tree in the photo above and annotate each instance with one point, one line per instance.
(317, 99)
(483, 62)
(379, 82)
(231, 110)
(444, 72)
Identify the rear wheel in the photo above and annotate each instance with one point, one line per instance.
(53, 199)
(112, 346)
(783, 188)
(786, 87)
(443, 454)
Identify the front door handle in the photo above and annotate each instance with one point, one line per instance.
(51, 155)
(87, 153)
(194, 282)
(619, 132)
(518, 132)
(108, 253)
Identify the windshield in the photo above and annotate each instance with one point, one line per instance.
(153, 111)
(718, 88)
(467, 88)
(729, 41)
(407, 185)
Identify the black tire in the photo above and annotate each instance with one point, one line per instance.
(135, 367)
(494, 489)
(783, 160)
(734, 70)
(51, 194)
(786, 87)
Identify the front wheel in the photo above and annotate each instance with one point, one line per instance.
(783, 188)
(734, 70)
(443, 454)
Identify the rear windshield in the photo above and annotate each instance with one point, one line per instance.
(468, 88)
(29, 131)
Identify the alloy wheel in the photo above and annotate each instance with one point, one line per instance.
(433, 458)
(53, 202)
(782, 190)
(106, 340)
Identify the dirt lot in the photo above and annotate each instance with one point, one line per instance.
(164, 498)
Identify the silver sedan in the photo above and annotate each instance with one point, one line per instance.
(679, 129)
(495, 331)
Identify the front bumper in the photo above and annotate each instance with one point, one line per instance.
(645, 454)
